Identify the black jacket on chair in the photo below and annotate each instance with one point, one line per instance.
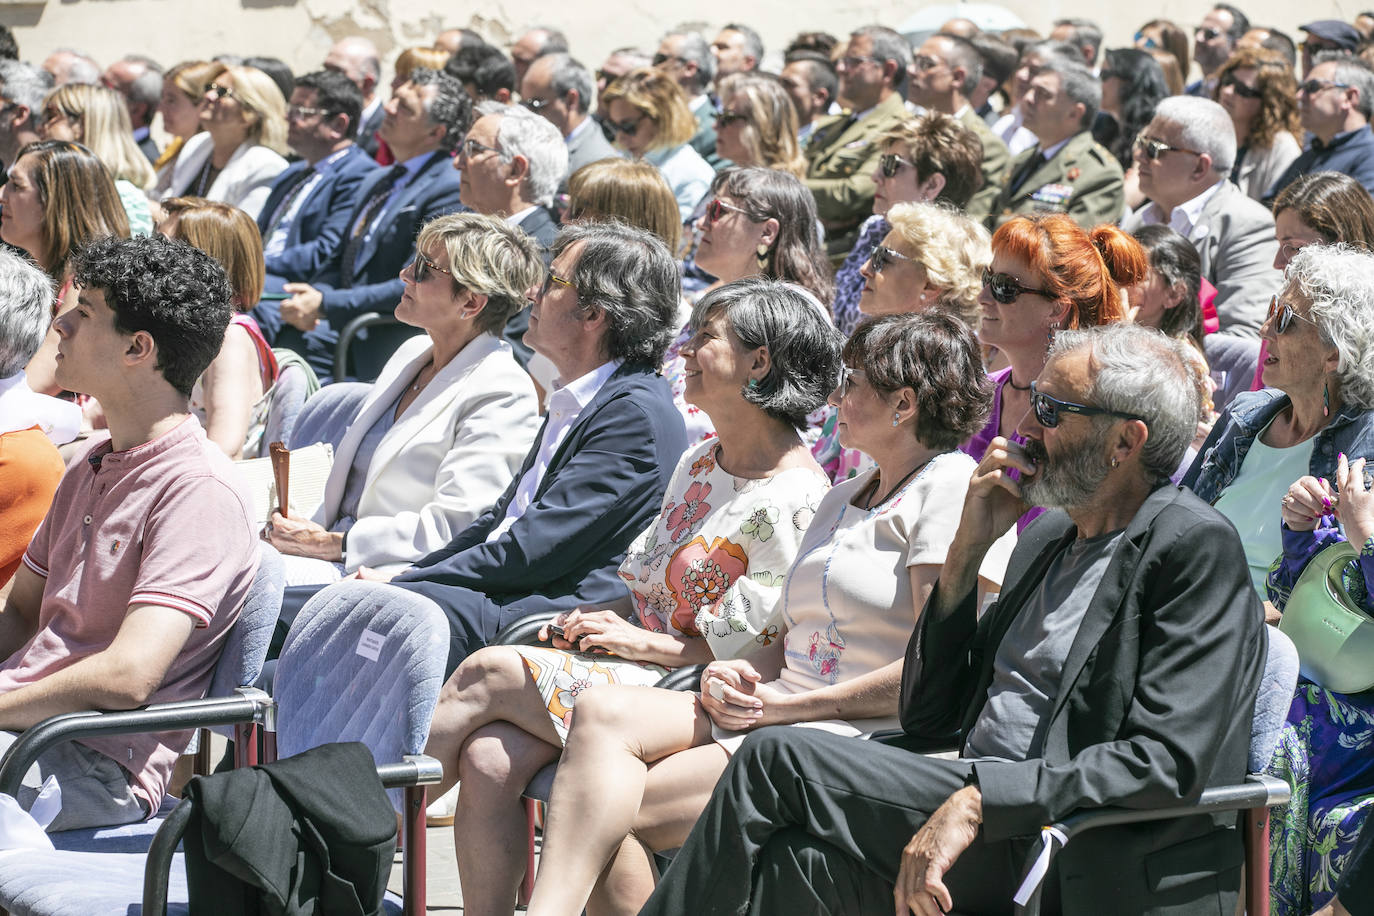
(313, 833)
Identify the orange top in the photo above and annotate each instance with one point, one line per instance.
(30, 469)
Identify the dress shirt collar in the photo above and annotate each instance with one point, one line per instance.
(578, 393)
(331, 162)
(1183, 218)
(1048, 154)
(516, 219)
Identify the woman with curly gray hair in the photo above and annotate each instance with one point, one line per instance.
(1317, 403)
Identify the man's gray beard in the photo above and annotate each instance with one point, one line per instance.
(1069, 480)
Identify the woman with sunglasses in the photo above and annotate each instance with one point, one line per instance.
(1316, 403)
(757, 124)
(239, 155)
(930, 158)
(641, 762)
(651, 121)
(1165, 35)
(1257, 88)
(1047, 273)
(702, 581)
(448, 421)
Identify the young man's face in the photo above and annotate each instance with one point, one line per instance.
(89, 350)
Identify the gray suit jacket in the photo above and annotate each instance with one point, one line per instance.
(1234, 236)
(587, 145)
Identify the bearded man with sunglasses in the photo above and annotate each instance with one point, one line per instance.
(1119, 666)
(1184, 158)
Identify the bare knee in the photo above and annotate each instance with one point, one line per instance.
(606, 708)
(485, 672)
(501, 759)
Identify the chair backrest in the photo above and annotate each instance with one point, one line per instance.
(363, 662)
(1274, 698)
(295, 383)
(326, 416)
(245, 648)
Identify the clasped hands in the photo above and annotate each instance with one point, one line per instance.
(303, 308)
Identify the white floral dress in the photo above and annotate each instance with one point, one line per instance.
(711, 565)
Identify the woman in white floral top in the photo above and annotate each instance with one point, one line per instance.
(703, 581)
(641, 762)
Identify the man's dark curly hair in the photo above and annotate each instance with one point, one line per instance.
(176, 293)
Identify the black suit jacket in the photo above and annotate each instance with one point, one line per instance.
(367, 134)
(1154, 704)
(603, 486)
(542, 226)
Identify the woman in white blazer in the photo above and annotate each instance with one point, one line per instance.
(1258, 90)
(448, 421)
(237, 157)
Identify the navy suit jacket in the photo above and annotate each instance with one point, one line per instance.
(542, 226)
(316, 234)
(602, 488)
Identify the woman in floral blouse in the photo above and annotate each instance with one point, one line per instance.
(702, 582)
(641, 762)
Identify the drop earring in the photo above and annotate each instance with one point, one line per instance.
(1326, 401)
(1049, 336)
(896, 419)
(762, 254)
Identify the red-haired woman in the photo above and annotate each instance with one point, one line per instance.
(1047, 274)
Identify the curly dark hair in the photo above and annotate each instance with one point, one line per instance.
(335, 93)
(178, 294)
(1278, 94)
(936, 355)
(1142, 86)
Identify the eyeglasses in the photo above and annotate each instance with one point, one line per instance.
(661, 59)
(1239, 88)
(53, 114)
(629, 127)
(725, 118)
(536, 105)
(1207, 33)
(1047, 409)
(1154, 150)
(847, 379)
(218, 91)
(472, 147)
(1282, 315)
(923, 62)
(1312, 87)
(1142, 39)
(716, 210)
(853, 63)
(1006, 289)
(550, 278)
(424, 265)
(889, 164)
(299, 112)
(883, 256)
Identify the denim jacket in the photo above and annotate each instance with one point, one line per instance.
(1351, 431)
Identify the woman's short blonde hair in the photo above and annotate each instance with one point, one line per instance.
(769, 132)
(661, 99)
(486, 255)
(631, 191)
(411, 58)
(191, 76)
(105, 129)
(261, 100)
(226, 234)
(953, 249)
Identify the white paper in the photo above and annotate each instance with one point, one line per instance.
(370, 645)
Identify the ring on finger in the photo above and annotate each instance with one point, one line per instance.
(716, 688)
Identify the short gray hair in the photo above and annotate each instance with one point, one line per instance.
(451, 106)
(1204, 127)
(1338, 282)
(524, 133)
(1142, 373)
(695, 49)
(753, 44)
(803, 346)
(1354, 73)
(1084, 32)
(26, 298)
(963, 54)
(147, 88)
(25, 84)
(631, 275)
(82, 69)
(1078, 83)
(887, 45)
(567, 74)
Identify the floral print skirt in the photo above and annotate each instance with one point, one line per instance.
(562, 676)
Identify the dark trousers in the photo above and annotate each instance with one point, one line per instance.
(803, 821)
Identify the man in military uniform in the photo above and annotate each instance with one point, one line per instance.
(844, 149)
(1067, 171)
(945, 69)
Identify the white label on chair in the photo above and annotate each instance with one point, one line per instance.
(370, 645)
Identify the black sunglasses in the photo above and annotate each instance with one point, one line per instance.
(1006, 289)
(1312, 87)
(1282, 315)
(890, 164)
(883, 256)
(424, 265)
(629, 127)
(726, 118)
(661, 59)
(1206, 33)
(218, 91)
(1239, 88)
(1154, 150)
(1047, 409)
(717, 208)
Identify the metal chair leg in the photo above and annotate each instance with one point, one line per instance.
(1256, 836)
(413, 878)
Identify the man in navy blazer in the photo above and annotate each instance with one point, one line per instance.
(305, 217)
(426, 119)
(596, 477)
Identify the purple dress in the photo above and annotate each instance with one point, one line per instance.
(977, 446)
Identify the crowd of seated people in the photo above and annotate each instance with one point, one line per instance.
(994, 387)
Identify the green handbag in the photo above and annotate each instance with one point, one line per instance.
(1334, 637)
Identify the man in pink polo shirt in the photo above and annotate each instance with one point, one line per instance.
(138, 571)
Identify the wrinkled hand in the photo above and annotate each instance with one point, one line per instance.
(733, 695)
(1355, 510)
(305, 307)
(994, 500)
(300, 537)
(602, 633)
(920, 886)
(1305, 502)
